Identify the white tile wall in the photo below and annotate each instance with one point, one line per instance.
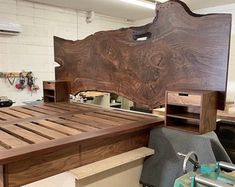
(32, 50)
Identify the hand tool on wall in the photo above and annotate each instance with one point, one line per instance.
(11, 78)
(21, 84)
(31, 82)
(24, 79)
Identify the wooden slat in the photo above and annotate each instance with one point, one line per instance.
(27, 111)
(75, 125)
(48, 147)
(42, 130)
(2, 144)
(2, 148)
(6, 116)
(88, 122)
(133, 118)
(70, 106)
(11, 141)
(61, 106)
(55, 105)
(107, 117)
(81, 106)
(34, 138)
(58, 127)
(43, 111)
(97, 119)
(127, 113)
(50, 109)
(84, 105)
(15, 113)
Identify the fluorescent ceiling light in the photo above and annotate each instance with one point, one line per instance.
(141, 3)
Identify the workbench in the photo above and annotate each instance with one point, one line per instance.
(43, 140)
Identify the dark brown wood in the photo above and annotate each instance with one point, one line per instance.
(193, 111)
(34, 169)
(29, 170)
(56, 91)
(208, 112)
(183, 51)
(43, 145)
(1, 177)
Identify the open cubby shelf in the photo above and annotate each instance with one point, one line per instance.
(56, 91)
(51, 96)
(184, 125)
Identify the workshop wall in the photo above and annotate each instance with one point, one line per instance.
(33, 49)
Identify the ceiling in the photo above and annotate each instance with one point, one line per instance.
(117, 8)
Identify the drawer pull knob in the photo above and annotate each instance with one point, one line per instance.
(183, 94)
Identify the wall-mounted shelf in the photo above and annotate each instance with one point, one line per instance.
(193, 111)
(56, 91)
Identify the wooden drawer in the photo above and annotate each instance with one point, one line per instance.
(48, 85)
(183, 98)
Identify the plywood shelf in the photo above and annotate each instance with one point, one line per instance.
(51, 96)
(183, 124)
(112, 162)
(189, 116)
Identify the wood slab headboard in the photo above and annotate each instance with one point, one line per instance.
(182, 50)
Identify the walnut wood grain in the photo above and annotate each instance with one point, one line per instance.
(72, 109)
(183, 51)
(23, 134)
(59, 128)
(208, 113)
(5, 116)
(11, 141)
(46, 132)
(1, 177)
(69, 158)
(176, 98)
(15, 113)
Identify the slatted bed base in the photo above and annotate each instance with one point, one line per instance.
(43, 140)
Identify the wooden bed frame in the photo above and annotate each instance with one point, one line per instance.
(183, 50)
(43, 140)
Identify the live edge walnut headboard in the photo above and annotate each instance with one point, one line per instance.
(183, 50)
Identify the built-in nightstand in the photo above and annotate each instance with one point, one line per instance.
(193, 111)
(56, 91)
